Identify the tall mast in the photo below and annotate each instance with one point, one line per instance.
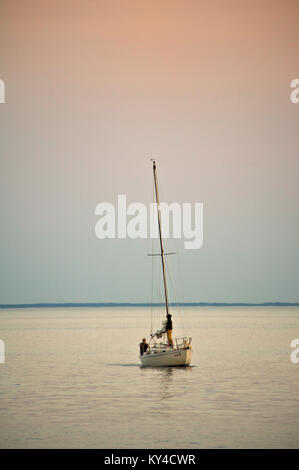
(160, 236)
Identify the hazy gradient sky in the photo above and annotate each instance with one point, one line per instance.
(94, 87)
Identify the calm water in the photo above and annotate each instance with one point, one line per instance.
(72, 379)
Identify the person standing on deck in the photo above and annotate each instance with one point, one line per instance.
(143, 346)
(169, 330)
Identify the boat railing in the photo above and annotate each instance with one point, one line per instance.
(183, 343)
(180, 343)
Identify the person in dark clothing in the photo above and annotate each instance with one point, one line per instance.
(143, 346)
(169, 330)
(169, 322)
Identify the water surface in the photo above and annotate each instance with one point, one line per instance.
(72, 378)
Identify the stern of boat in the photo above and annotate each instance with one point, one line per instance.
(160, 355)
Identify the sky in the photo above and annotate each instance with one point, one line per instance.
(93, 89)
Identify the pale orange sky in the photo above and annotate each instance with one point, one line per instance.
(93, 87)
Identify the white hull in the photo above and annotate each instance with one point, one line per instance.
(170, 357)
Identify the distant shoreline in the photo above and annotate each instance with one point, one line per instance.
(140, 304)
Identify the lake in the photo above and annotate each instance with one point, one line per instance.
(72, 379)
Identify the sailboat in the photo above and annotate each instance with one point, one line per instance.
(162, 350)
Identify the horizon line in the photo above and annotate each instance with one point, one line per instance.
(147, 304)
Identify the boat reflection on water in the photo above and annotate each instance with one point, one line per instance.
(166, 379)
